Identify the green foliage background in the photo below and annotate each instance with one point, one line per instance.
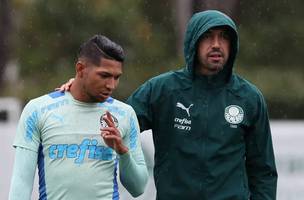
(48, 33)
(272, 40)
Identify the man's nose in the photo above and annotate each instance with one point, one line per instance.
(216, 42)
(111, 84)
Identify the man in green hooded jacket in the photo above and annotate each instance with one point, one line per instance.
(210, 127)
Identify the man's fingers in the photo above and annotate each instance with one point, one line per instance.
(66, 86)
(71, 81)
(109, 123)
(110, 137)
(61, 88)
(69, 84)
(109, 120)
(110, 117)
(107, 135)
(111, 130)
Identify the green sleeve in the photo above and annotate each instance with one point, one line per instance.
(260, 161)
(23, 174)
(140, 100)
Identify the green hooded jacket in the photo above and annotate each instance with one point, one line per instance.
(211, 133)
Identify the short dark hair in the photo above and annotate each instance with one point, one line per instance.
(98, 47)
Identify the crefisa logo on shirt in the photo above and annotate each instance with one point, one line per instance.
(234, 115)
(87, 149)
(183, 123)
(104, 124)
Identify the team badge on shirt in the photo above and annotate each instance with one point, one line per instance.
(234, 114)
(104, 124)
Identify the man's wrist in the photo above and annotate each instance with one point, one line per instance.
(122, 150)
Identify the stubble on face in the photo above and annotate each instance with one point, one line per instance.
(212, 51)
(94, 83)
(102, 80)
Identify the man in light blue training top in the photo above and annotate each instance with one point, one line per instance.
(79, 138)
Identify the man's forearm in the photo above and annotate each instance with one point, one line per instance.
(133, 175)
(23, 174)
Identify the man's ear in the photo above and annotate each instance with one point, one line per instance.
(80, 67)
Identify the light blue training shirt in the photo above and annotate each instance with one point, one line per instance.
(73, 160)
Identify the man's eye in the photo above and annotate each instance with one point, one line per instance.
(225, 35)
(206, 36)
(104, 75)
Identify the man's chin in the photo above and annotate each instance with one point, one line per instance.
(103, 98)
(216, 69)
(99, 98)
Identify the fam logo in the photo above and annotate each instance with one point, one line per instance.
(183, 123)
(234, 114)
(104, 124)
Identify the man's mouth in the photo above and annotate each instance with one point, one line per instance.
(105, 94)
(215, 56)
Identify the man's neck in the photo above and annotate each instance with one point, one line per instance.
(76, 92)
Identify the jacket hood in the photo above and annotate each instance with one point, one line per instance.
(197, 26)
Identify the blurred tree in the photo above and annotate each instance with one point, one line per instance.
(52, 30)
(49, 33)
(272, 33)
(231, 7)
(5, 27)
(185, 9)
(271, 49)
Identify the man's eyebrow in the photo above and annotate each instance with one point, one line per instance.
(107, 73)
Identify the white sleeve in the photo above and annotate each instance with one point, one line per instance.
(28, 129)
(23, 174)
(132, 166)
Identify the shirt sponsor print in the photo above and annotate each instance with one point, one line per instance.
(183, 123)
(88, 148)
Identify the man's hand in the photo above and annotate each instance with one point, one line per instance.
(66, 86)
(111, 136)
